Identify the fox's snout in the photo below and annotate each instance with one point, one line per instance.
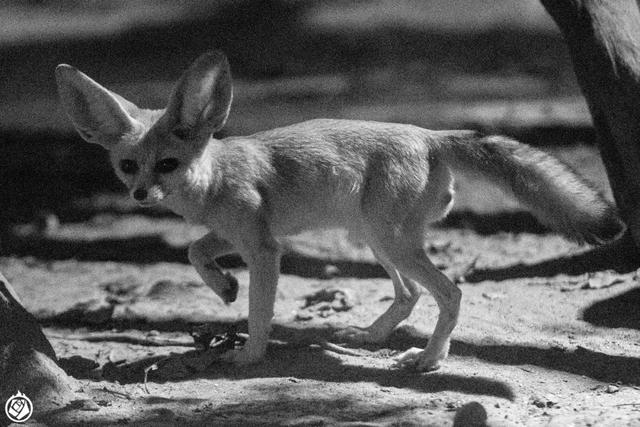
(147, 195)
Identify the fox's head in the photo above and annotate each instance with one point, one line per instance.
(154, 152)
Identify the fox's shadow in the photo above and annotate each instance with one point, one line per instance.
(294, 355)
(298, 357)
(620, 311)
(620, 256)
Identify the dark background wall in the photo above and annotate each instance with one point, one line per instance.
(497, 65)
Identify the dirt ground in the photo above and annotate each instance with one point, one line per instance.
(548, 335)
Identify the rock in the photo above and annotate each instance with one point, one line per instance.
(472, 414)
(37, 376)
(544, 401)
(27, 360)
(493, 295)
(325, 303)
(612, 389)
(337, 299)
(330, 271)
(602, 280)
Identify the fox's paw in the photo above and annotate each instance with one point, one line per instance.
(418, 359)
(356, 335)
(233, 287)
(223, 284)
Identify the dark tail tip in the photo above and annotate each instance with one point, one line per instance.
(608, 229)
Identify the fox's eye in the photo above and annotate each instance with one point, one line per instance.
(167, 165)
(129, 166)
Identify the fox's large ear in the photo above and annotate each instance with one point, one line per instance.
(200, 102)
(99, 115)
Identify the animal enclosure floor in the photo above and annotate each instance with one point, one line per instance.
(547, 336)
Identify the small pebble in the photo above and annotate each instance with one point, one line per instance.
(612, 388)
(330, 271)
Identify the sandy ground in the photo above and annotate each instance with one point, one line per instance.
(548, 333)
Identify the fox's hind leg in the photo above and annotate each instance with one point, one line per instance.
(406, 296)
(404, 246)
(417, 265)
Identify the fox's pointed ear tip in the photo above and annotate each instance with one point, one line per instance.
(216, 56)
(217, 52)
(65, 69)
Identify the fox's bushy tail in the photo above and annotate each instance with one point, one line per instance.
(555, 194)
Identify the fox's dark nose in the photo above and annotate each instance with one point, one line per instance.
(140, 194)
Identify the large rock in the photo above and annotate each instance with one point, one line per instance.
(27, 360)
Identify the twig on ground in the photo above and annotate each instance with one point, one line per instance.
(338, 349)
(118, 393)
(146, 375)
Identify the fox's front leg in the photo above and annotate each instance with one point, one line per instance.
(263, 260)
(202, 255)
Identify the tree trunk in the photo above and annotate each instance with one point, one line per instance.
(27, 360)
(604, 41)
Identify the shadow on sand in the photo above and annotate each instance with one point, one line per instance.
(620, 256)
(620, 311)
(294, 352)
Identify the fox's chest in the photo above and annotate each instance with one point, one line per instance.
(190, 207)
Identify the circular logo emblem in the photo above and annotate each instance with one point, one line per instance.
(18, 408)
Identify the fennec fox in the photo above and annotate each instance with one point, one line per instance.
(383, 182)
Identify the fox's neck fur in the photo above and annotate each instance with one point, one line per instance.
(202, 183)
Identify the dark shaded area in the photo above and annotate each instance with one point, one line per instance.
(294, 359)
(265, 38)
(150, 249)
(297, 352)
(153, 249)
(279, 405)
(599, 366)
(46, 172)
(141, 250)
(492, 223)
(592, 364)
(620, 311)
(333, 370)
(619, 256)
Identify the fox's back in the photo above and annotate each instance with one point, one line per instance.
(324, 148)
(323, 173)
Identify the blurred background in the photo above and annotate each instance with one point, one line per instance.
(496, 65)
